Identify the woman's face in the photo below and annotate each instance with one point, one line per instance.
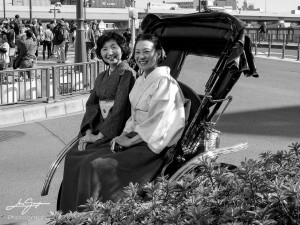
(111, 52)
(146, 56)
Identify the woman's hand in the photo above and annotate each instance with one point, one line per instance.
(88, 138)
(123, 140)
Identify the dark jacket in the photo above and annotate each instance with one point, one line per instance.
(55, 31)
(115, 87)
(26, 51)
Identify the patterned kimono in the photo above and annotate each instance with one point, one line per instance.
(116, 86)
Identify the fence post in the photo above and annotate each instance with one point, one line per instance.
(283, 46)
(55, 81)
(269, 46)
(255, 45)
(47, 86)
(298, 49)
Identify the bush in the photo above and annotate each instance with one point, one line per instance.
(262, 192)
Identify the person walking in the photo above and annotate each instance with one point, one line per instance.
(48, 37)
(89, 40)
(263, 30)
(59, 41)
(67, 41)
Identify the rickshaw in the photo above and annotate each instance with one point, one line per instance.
(211, 34)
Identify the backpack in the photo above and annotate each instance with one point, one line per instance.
(61, 35)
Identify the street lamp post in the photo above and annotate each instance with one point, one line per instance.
(80, 50)
(30, 10)
(55, 10)
(4, 13)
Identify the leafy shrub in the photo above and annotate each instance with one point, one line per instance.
(262, 192)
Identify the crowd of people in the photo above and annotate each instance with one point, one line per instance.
(21, 41)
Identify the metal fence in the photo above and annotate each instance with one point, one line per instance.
(47, 83)
(275, 35)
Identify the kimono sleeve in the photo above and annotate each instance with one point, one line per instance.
(119, 113)
(91, 117)
(166, 118)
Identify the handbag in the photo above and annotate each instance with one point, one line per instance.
(105, 106)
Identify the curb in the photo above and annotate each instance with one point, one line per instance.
(42, 111)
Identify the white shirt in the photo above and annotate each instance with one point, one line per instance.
(5, 56)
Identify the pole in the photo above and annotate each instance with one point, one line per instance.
(30, 9)
(133, 26)
(4, 12)
(54, 14)
(80, 50)
(84, 5)
(265, 6)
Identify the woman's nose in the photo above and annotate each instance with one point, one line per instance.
(109, 51)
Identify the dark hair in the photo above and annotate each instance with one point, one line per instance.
(29, 33)
(113, 36)
(17, 16)
(48, 26)
(11, 26)
(155, 40)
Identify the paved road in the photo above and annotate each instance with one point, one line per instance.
(264, 112)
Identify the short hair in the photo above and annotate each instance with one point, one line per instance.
(48, 26)
(29, 33)
(17, 16)
(121, 41)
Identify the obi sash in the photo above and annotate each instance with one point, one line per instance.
(105, 106)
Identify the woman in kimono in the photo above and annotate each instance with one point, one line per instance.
(157, 121)
(107, 110)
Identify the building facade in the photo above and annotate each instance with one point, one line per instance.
(187, 4)
(223, 3)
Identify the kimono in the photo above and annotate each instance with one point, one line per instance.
(115, 86)
(158, 116)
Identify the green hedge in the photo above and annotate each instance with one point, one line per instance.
(264, 192)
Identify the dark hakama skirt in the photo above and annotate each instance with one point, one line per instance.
(98, 170)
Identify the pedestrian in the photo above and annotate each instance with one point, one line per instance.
(4, 51)
(67, 42)
(48, 37)
(36, 31)
(263, 30)
(11, 36)
(26, 53)
(89, 39)
(59, 40)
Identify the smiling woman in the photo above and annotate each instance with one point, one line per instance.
(107, 110)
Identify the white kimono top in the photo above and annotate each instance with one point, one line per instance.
(157, 109)
(5, 56)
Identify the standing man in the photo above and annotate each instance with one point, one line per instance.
(48, 37)
(59, 32)
(36, 31)
(263, 30)
(89, 39)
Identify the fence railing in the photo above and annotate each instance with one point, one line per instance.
(290, 35)
(47, 83)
